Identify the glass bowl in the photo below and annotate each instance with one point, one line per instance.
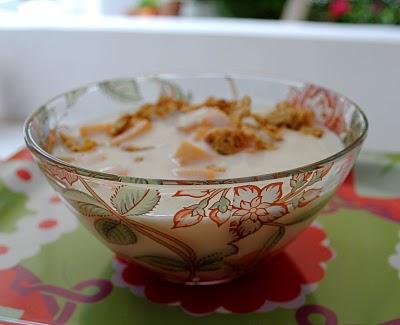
(196, 232)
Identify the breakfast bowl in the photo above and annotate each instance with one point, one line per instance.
(201, 231)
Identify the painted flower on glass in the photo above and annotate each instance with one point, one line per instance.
(326, 105)
(253, 207)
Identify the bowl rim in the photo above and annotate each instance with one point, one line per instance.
(36, 148)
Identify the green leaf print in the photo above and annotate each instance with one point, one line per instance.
(123, 90)
(86, 204)
(91, 210)
(115, 232)
(222, 205)
(273, 240)
(72, 97)
(134, 201)
(355, 129)
(211, 262)
(164, 263)
(79, 196)
(12, 207)
(171, 89)
(297, 181)
(311, 212)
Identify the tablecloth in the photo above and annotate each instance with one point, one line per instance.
(344, 269)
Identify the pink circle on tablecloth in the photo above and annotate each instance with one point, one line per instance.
(55, 199)
(48, 223)
(3, 249)
(24, 174)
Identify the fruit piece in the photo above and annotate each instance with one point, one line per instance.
(121, 125)
(139, 127)
(130, 148)
(201, 132)
(50, 141)
(75, 145)
(90, 129)
(196, 173)
(312, 130)
(218, 169)
(188, 153)
(94, 158)
(210, 117)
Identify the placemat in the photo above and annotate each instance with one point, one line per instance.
(344, 269)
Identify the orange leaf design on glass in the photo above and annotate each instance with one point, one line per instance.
(61, 174)
(245, 228)
(272, 192)
(186, 217)
(299, 180)
(327, 106)
(219, 217)
(221, 211)
(193, 193)
(325, 169)
(309, 195)
(190, 215)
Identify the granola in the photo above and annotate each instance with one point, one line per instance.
(227, 141)
(195, 137)
(75, 145)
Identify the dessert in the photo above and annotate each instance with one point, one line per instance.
(222, 184)
(213, 139)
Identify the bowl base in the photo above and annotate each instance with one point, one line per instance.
(204, 283)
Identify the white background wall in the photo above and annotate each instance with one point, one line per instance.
(39, 59)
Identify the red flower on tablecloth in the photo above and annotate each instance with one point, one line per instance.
(347, 197)
(282, 281)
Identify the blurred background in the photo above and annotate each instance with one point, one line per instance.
(49, 46)
(345, 11)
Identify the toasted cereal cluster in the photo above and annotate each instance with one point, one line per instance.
(227, 141)
(286, 115)
(75, 145)
(162, 108)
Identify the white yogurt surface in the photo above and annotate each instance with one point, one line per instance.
(294, 151)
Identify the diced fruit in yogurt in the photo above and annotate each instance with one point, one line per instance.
(211, 117)
(201, 132)
(196, 173)
(91, 129)
(216, 139)
(77, 145)
(140, 127)
(89, 159)
(189, 153)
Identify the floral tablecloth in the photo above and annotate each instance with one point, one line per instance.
(344, 269)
